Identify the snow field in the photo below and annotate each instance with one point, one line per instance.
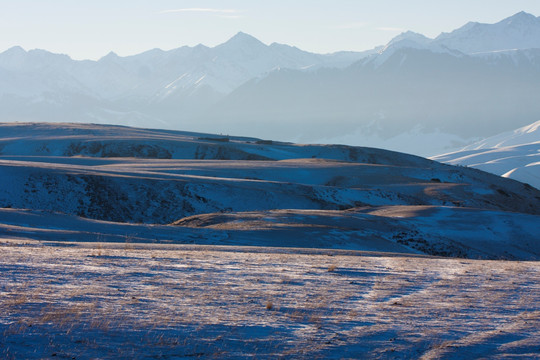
(514, 154)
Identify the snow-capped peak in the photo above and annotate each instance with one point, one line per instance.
(110, 56)
(519, 31)
(16, 58)
(406, 40)
(243, 40)
(521, 18)
(15, 50)
(12, 57)
(410, 36)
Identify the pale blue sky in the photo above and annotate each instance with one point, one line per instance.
(90, 29)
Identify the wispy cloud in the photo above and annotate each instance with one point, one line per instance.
(390, 29)
(354, 25)
(229, 12)
(232, 17)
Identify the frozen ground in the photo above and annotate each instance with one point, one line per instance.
(102, 300)
(121, 243)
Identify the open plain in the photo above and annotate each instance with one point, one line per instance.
(102, 300)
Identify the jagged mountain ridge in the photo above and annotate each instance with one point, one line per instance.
(418, 95)
(156, 87)
(518, 32)
(414, 88)
(157, 74)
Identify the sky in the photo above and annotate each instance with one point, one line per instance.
(91, 29)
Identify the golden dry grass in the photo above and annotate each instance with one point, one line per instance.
(142, 300)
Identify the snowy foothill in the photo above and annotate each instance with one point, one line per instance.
(514, 154)
(179, 187)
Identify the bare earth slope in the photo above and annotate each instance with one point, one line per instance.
(247, 191)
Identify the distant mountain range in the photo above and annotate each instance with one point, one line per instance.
(514, 154)
(417, 95)
(155, 88)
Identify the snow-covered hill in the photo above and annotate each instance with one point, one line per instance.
(243, 191)
(514, 154)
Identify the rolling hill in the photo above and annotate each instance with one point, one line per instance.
(514, 154)
(85, 182)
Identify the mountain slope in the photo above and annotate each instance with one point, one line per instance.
(416, 95)
(514, 154)
(463, 96)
